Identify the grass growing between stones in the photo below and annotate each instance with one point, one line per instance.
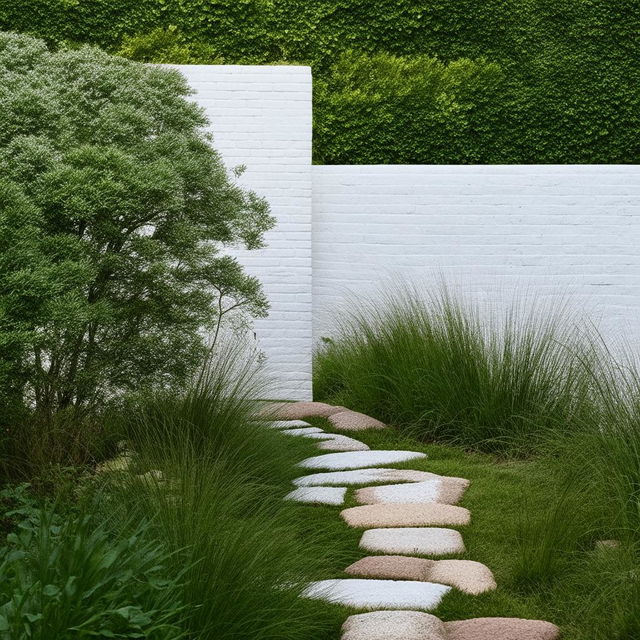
(562, 576)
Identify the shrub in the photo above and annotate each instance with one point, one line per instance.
(67, 576)
(114, 212)
(382, 108)
(442, 368)
(167, 46)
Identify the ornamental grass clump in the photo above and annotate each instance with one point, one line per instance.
(452, 372)
(244, 553)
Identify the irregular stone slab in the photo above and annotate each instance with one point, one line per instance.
(364, 476)
(359, 459)
(298, 410)
(305, 431)
(406, 515)
(286, 424)
(466, 575)
(342, 443)
(393, 625)
(378, 594)
(440, 489)
(354, 421)
(501, 629)
(432, 541)
(318, 495)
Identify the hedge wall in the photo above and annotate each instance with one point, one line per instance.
(565, 88)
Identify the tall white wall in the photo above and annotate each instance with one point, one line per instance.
(261, 117)
(540, 230)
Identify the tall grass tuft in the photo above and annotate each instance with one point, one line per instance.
(449, 372)
(218, 506)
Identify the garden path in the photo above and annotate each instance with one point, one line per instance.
(406, 517)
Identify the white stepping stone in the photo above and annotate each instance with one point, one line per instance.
(287, 424)
(393, 625)
(359, 459)
(318, 495)
(438, 489)
(426, 541)
(342, 443)
(378, 594)
(364, 476)
(305, 431)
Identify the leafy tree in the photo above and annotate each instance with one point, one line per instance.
(114, 212)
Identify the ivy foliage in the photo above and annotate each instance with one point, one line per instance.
(570, 68)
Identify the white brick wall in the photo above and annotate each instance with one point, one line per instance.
(545, 231)
(261, 117)
(542, 231)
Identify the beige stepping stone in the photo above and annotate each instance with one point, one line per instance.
(393, 625)
(318, 495)
(354, 421)
(359, 459)
(439, 489)
(428, 541)
(406, 515)
(298, 410)
(501, 629)
(342, 443)
(364, 476)
(378, 594)
(465, 575)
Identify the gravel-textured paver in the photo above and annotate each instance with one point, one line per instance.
(359, 459)
(354, 421)
(298, 410)
(318, 495)
(500, 629)
(406, 515)
(393, 625)
(465, 575)
(426, 541)
(378, 594)
(441, 489)
(364, 476)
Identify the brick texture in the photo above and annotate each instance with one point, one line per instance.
(261, 117)
(548, 232)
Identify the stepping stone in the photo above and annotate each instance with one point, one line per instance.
(432, 541)
(298, 410)
(305, 431)
(406, 515)
(466, 575)
(440, 489)
(364, 476)
(318, 495)
(286, 424)
(501, 629)
(378, 594)
(393, 625)
(354, 421)
(359, 459)
(342, 443)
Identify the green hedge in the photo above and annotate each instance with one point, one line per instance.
(570, 69)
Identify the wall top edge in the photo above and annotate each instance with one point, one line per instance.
(253, 68)
(340, 168)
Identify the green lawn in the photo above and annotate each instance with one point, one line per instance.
(500, 491)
